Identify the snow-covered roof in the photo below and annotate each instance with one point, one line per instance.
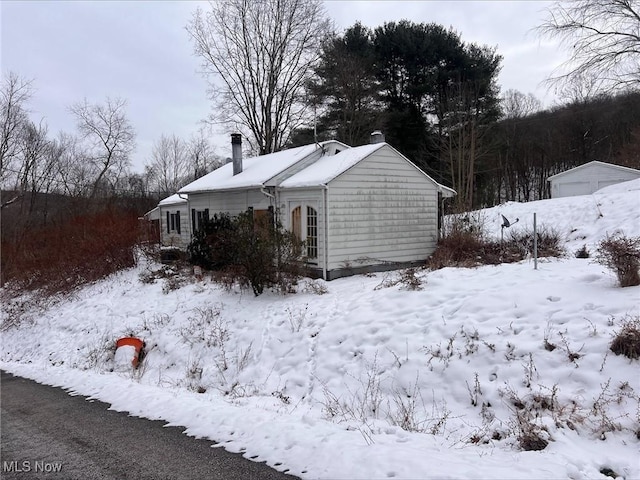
(330, 166)
(256, 171)
(153, 214)
(173, 200)
(593, 163)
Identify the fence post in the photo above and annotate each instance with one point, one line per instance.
(535, 243)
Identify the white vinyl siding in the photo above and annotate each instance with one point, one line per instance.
(172, 235)
(381, 210)
(230, 202)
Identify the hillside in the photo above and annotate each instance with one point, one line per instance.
(370, 379)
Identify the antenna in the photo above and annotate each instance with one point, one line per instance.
(505, 224)
(315, 131)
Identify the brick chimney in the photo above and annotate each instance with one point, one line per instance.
(376, 137)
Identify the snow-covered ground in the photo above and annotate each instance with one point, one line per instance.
(373, 381)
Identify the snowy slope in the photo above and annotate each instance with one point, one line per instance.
(375, 381)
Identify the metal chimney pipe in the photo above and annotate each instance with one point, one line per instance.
(376, 137)
(236, 152)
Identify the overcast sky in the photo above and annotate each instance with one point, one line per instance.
(140, 51)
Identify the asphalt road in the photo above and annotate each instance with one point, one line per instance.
(46, 433)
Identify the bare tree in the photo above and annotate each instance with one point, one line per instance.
(465, 144)
(603, 37)
(109, 135)
(15, 92)
(169, 168)
(516, 104)
(201, 156)
(74, 174)
(263, 52)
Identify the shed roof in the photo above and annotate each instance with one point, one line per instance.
(594, 163)
(153, 214)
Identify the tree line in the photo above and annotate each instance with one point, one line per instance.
(435, 96)
(282, 76)
(92, 163)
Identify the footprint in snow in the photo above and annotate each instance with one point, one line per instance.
(551, 298)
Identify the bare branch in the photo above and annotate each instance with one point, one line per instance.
(603, 37)
(109, 135)
(257, 55)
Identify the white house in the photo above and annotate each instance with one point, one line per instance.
(358, 209)
(173, 214)
(588, 178)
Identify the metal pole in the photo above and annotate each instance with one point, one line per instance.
(535, 243)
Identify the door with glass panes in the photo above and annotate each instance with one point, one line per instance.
(304, 225)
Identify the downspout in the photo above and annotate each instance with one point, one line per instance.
(272, 199)
(325, 267)
(263, 190)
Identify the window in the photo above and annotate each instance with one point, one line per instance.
(312, 232)
(173, 222)
(305, 227)
(198, 217)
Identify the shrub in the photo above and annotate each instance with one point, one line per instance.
(407, 279)
(211, 247)
(627, 340)
(252, 251)
(622, 255)
(521, 242)
(461, 245)
(61, 257)
(465, 246)
(582, 252)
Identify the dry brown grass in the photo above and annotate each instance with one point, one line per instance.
(627, 340)
(60, 257)
(465, 246)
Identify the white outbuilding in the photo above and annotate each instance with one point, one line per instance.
(358, 209)
(588, 178)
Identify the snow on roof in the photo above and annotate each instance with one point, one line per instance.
(329, 167)
(153, 214)
(255, 171)
(595, 162)
(173, 199)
